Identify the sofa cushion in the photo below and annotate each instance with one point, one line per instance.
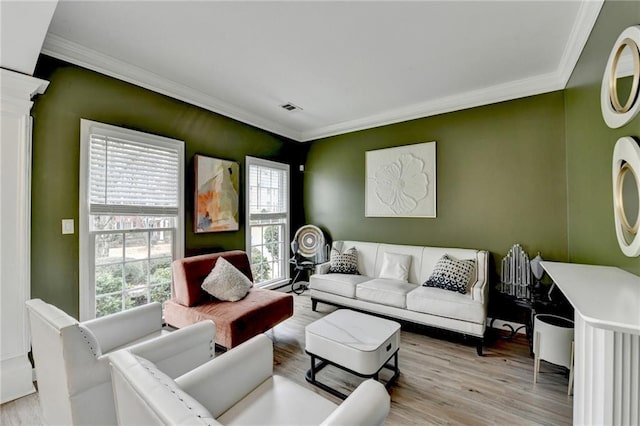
(345, 262)
(226, 282)
(448, 304)
(340, 284)
(452, 274)
(385, 292)
(395, 266)
(279, 401)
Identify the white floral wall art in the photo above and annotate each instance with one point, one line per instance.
(401, 181)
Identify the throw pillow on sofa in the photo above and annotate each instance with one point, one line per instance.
(452, 274)
(226, 282)
(345, 262)
(395, 266)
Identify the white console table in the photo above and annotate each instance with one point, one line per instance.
(607, 341)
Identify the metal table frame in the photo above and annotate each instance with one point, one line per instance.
(315, 368)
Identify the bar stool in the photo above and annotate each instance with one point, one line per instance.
(553, 342)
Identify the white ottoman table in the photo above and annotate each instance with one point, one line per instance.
(355, 342)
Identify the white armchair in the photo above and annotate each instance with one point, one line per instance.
(236, 388)
(71, 358)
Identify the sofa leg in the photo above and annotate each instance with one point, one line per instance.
(314, 304)
(479, 345)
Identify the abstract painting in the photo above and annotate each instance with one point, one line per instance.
(401, 181)
(216, 194)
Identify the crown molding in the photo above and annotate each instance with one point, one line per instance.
(17, 90)
(458, 102)
(77, 54)
(586, 19)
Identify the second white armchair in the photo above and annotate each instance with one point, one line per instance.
(236, 388)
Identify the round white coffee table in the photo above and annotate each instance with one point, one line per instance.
(358, 343)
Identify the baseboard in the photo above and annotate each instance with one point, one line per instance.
(15, 378)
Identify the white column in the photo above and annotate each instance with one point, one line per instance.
(607, 372)
(607, 341)
(15, 230)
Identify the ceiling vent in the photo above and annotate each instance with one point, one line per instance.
(290, 107)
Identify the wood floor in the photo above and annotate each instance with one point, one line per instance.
(442, 380)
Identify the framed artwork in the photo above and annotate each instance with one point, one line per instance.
(401, 181)
(217, 184)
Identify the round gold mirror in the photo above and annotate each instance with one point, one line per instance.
(625, 76)
(619, 98)
(628, 203)
(626, 194)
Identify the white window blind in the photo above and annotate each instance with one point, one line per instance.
(132, 177)
(269, 192)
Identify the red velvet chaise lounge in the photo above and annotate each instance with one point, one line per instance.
(257, 312)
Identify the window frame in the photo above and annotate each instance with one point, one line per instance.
(87, 289)
(260, 162)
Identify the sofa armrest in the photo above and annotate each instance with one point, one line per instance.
(180, 351)
(323, 268)
(480, 289)
(369, 404)
(217, 384)
(123, 327)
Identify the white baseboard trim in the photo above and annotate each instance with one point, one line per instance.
(504, 325)
(15, 378)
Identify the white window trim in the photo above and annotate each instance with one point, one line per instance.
(249, 161)
(87, 290)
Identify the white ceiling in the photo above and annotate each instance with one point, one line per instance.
(349, 64)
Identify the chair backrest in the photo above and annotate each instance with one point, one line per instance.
(57, 343)
(74, 381)
(190, 272)
(144, 395)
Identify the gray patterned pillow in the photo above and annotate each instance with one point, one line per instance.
(452, 274)
(344, 263)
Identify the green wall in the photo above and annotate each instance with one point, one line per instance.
(76, 93)
(534, 171)
(500, 180)
(590, 143)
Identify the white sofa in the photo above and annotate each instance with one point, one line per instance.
(408, 301)
(235, 388)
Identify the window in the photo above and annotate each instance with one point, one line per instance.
(131, 217)
(267, 204)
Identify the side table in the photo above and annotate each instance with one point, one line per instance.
(511, 308)
(503, 306)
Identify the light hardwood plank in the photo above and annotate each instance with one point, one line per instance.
(442, 380)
